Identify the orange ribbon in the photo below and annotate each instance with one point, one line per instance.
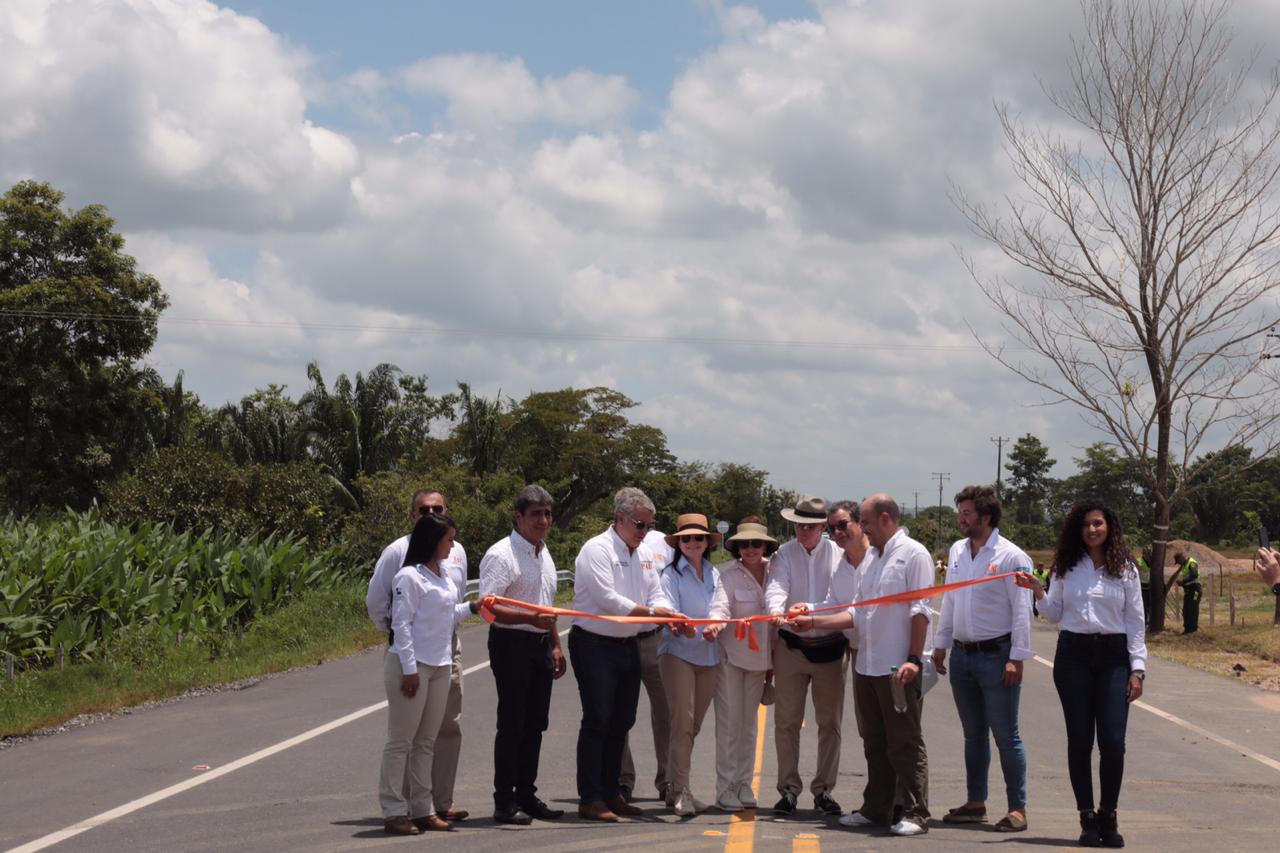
(744, 627)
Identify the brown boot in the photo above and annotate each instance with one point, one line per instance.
(432, 823)
(596, 810)
(622, 807)
(399, 825)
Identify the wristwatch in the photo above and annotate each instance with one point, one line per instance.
(652, 612)
(1275, 588)
(1140, 674)
(915, 660)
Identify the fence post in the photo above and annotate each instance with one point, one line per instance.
(59, 656)
(1213, 599)
(1231, 600)
(8, 666)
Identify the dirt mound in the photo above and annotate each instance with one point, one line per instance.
(1208, 558)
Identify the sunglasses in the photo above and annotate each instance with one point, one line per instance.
(431, 510)
(640, 525)
(839, 525)
(694, 538)
(751, 543)
(807, 526)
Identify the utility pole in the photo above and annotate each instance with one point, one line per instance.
(999, 443)
(940, 476)
(917, 512)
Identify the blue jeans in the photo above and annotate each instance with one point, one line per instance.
(1091, 672)
(985, 706)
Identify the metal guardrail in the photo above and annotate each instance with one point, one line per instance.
(562, 577)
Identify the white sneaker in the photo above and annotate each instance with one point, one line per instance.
(684, 804)
(907, 827)
(745, 797)
(855, 820)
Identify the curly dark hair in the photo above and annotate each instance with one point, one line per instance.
(426, 537)
(1071, 548)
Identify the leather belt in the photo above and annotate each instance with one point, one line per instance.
(990, 645)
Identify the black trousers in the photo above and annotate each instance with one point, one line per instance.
(1191, 608)
(608, 674)
(1091, 672)
(523, 672)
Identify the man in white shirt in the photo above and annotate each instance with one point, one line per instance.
(444, 769)
(891, 638)
(989, 626)
(651, 679)
(800, 572)
(614, 575)
(524, 656)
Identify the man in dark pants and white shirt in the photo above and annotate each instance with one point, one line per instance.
(614, 576)
(444, 769)
(989, 627)
(524, 656)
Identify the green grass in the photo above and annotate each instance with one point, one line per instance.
(147, 663)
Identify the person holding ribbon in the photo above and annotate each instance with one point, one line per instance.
(690, 666)
(745, 671)
(1101, 660)
(425, 612)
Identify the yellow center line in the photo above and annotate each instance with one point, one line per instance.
(806, 842)
(742, 826)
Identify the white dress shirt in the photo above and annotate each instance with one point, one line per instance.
(846, 586)
(884, 630)
(425, 611)
(1087, 600)
(378, 599)
(739, 595)
(663, 554)
(797, 576)
(987, 610)
(610, 579)
(513, 568)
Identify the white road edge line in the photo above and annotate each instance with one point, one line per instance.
(196, 781)
(1264, 760)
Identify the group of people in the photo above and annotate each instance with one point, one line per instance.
(659, 616)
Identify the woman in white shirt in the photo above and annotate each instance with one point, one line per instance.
(424, 614)
(1101, 661)
(744, 672)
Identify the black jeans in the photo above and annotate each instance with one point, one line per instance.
(1091, 672)
(522, 671)
(1191, 594)
(608, 673)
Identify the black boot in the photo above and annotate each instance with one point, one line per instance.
(1089, 836)
(1107, 829)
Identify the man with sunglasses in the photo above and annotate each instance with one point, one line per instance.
(800, 573)
(614, 575)
(444, 768)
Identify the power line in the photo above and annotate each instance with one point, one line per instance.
(488, 333)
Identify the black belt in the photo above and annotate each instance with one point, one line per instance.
(516, 634)
(1120, 640)
(645, 634)
(991, 645)
(592, 635)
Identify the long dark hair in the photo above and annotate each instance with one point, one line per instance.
(425, 539)
(1071, 548)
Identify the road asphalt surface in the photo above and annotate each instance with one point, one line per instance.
(277, 767)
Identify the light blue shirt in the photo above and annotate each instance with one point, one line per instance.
(692, 597)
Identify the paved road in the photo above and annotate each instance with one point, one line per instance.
(1183, 788)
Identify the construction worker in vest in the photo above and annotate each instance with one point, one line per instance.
(1189, 579)
(1042, 575)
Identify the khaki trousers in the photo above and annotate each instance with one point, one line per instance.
(738, 694)
(404, 783)
(689, 690)
(651, 678)
(444, 770)
(793, 677)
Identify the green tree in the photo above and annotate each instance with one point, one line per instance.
(75, 313)
(1028, 466)
(1104, 473)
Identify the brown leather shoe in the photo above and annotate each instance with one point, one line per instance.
(596, 810)
(454, 814)
(432, 823)
(622, 807)
(399, 825)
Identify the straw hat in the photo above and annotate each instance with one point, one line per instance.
(808, 510)
(693, 524)
(751, 531)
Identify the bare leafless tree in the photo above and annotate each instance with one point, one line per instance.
(1149, 224)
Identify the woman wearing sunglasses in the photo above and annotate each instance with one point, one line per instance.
(689, 666)
(744, 673)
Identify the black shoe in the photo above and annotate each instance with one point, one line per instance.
(1107, 830)
(822, 802)
(625, 793)
(538, 809)
(511, 813)
(786, 805)
(1089, 836)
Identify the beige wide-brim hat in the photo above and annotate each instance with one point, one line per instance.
(749, 531)
(693, 524)
(808, 510)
